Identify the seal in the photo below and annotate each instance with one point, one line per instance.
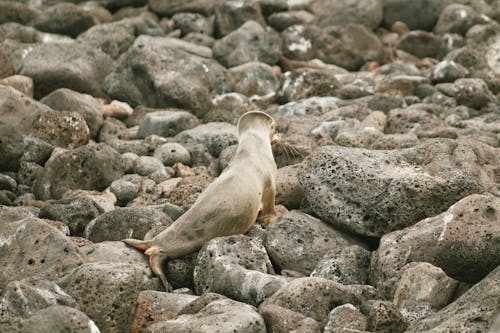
(231, 204)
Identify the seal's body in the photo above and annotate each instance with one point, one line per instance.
(230, 205)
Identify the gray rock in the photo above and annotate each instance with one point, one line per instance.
(228, 108)
(129, 222)
(422, 290)
(68, 100)
(115, 252)
(27, 297)
(395, 141)
(20, 33)
(254, 78)
(12, 214)
(473, 93)
(224, 316)
(346, 316)
(282, 20)
(367, 12)
(411, 120)
(279, 319)
(146, 165)
(230, 15)
(359, 138)
(33, 248)
(163, 82)
(215, 136)
(75, 213)
(107, 292)
(250, 42)
(313, 297)
(22, 83)
(135, 147)
(65, 129)
(456, 18)
(59, 319)
(13, 125)
(307, 82)
(474, 311)
(64, 18)
(297, 241)
(115, 38)
(238, 267)
(383, 316)
(90, 167)
(16, 12)
(421, 44)
(422, 14)
(326, 180)
(62, 65)
(288, 190)
(171, 153)
(193, 23)
(7, 183)
(469, 223)
(346, 265)
(309, 106)
(166, 123)
(447, 71)
(111, 130)
(169, 7)
(126, 188)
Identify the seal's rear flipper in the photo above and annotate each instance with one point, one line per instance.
(138, 244)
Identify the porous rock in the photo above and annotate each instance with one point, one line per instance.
(33, 248)
(230, 15)
(402, 186)
(63, 65)
(215, 136)
(107, 292)
(19, 82)
(171, 153)
(90, 167)
(346, 316)
(64, 18)
(297, 241)
(383, 316)
(238, 267)
(59, 319)
(288, 189)
(126, 222)
(281, 320)
(422, 14)
(367, 12)
(462, 241)
(254, 78)
(166, 123)
(115, 252)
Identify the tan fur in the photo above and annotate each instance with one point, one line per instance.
(231, 204)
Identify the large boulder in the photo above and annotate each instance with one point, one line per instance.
(67, 65)
(420, 14)
(374, 192)
(90, 167)
(64, 18)
(150, 74)
(366, 12)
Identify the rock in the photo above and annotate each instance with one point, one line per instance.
(28, 173)
(238, 267)
(421, 44)
(215, 136)
(13, 125)
(19, 82)
(456, 18)
(33, 248)
(254, 78)
(224, 316)
(422, 290)
(75, 213)
(297, 241)
(62, 65)
(395, 141)
(104, 200)
(146, 165)
(474, 311)
(346, 316)
(128, 222)
(7, 183)
(363, 138)
(467, 223)
(412, 119)
(27, 297)
(346, 265)
(250, 42)
(155, 306)
(126, 188)
(306, 82)
(166, 123)
(115, 38)
(367, 12)
(7, 67)
(288, 190)
(115, 252)
(282, 20)
(402, 170)
(313, 297)
(167, 8)
(473, 93)
(65, 19)
(230, 15)
(61, 129)
(107, 292)
(16, 12)
(193, 23)
(421, 14)
(59, 319)
(383, 316)
(447, 71)
(68, 100)
(111, 130)
(228, 108)
(90, 167)
(168, 84)
(279, 319)
(172, 153)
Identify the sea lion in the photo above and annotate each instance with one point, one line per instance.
(231, 204)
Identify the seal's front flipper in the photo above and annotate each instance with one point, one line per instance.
(138, 244)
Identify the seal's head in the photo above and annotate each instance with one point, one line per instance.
(261, 120)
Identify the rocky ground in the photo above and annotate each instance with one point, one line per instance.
(116, 114)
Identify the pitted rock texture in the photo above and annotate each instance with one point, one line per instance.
(374, 192)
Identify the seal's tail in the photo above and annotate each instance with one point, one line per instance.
(138, 244)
